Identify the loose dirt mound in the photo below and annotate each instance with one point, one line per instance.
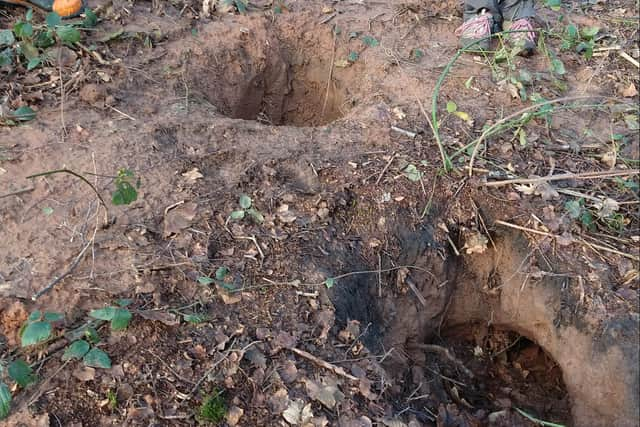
(296, 254)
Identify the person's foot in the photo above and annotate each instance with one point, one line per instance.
(475, 32)
(523, 36)
(64, 8)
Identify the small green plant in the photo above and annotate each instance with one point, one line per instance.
(37, 329)
(246, 205)
(223, 278)
(229, 5)
(582, 40)
(112, 399)
(119, 316)
(212, 410)
(126, 188)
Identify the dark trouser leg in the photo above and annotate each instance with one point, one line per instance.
(473, 7)
(516, 9)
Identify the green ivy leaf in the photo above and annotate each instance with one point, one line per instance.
(53, 317)
(106, 313)
(572, 31)
(123, 302)
(451, 107)
(35, 332)
(97, 358)
(589, 32)
(353, 56)
(92, 335)
(68, 34)
(241, 5)
(23, 30)
(204, 280)
(6, 38)
(573, 208)
(44, 39)
(330, 282)
(77, 350)
(553, 4)
(33, 63)
(6, 57)
(256, 215)
(23, 114)
(245, 201)
(90, 20)
(370, 41)
(194, 318)
(5, 401)
(53, 20)
(557, 66)
(21, 373)
(237, 215)
(221, 273)
(412, 173)
(35, 315)
(121, 319)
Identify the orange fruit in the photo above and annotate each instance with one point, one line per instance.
(66, 8)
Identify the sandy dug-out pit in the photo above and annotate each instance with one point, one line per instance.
(278, 76)
(275, 75)
(519, 339)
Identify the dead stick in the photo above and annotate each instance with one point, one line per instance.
(18, 192)
(58, 279)
(592, 245)
(385, 168)
(328, 366)
(585, 175)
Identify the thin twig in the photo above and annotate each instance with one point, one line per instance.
(122, 113)
(584, 175)
(328, 366)
(536, 420)
(592, 245)
(62, 94)
(384, 170)
(626, 56)
(180, 377)
(82, 178)
(69, 270)
(215, 365)
(17, 192)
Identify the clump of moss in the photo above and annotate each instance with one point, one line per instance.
(212, 409)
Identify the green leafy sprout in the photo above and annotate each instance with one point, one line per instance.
(247, 208)
(212, 409)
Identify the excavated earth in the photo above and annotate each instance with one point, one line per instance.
(430, 326)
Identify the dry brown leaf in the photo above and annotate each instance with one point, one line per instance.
(298, 413)
(630, 91)
(328, 395)
(179, 218)
(234, 415)
(168, 319)
(193, 175)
